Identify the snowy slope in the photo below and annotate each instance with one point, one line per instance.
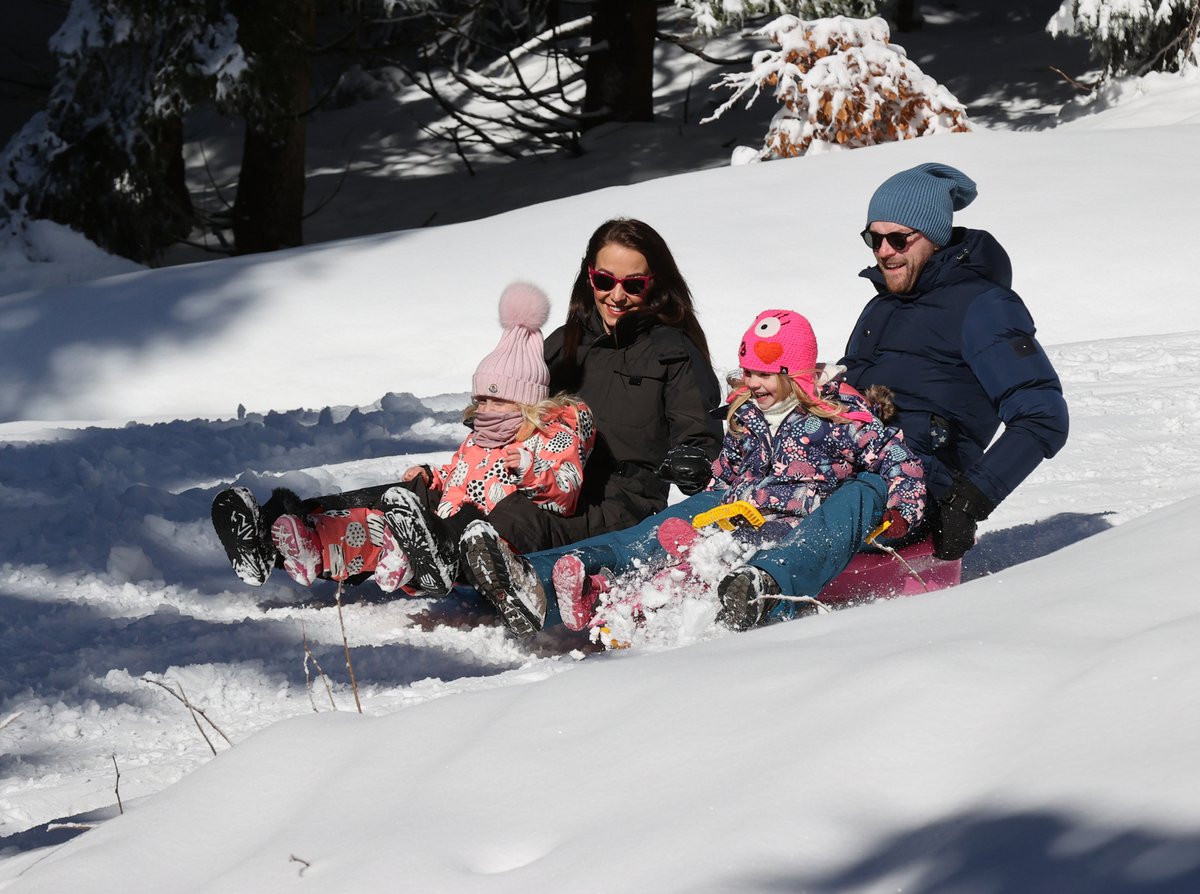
(977, 739)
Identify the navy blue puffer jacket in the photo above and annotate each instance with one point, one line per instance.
(960, 356)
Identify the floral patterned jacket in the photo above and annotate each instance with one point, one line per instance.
(788, 475)
(550, 473)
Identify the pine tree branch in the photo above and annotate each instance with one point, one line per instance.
(1189, 33)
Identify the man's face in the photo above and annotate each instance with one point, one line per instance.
(901, 267)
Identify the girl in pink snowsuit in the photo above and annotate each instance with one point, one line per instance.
(521, 441)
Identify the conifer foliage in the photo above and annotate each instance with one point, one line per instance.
(841, 83)
(1134, 37)
(104, 157)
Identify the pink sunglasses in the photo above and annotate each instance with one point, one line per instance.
(606, 282)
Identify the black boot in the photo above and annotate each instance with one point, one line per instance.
(503, 578)
(434, 559)
(745, 595)
(239, 526)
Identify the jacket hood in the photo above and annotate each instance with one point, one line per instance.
(971, 253)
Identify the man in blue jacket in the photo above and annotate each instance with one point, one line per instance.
(946, 333)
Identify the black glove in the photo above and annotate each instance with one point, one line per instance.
(963, 507)
(687, 467)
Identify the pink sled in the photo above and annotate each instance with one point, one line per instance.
(879, 575)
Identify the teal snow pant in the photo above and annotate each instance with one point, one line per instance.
(802, 561)
(819, 548)
(616, 550)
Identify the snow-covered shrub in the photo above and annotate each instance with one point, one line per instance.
(1134, 37)
(710, 17)
(841, 84)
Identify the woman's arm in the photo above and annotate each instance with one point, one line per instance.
(690, 395)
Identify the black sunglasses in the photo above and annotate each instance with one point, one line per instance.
(898, 241)
(632, 285)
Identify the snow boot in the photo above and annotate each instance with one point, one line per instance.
(505, 579)
(433, 562)
(392, 570)
(298, 545)
(676, 536)
(746, 597)
(238, 523)
(578, 591)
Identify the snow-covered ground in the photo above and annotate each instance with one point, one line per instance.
(1032, 730)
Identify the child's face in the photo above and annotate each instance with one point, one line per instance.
(765, 388)
(495, 405)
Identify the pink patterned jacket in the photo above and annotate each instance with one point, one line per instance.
(550, 473)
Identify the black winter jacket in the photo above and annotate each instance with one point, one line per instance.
(650, 389)
(960, 356)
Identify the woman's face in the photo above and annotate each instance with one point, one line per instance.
(618, 262)
(765, 388)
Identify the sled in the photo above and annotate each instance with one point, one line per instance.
(880, 575)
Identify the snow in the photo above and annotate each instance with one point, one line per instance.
(1034, 729)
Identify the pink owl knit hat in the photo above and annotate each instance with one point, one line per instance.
(780, 341)
(516, 370)
(783, 341)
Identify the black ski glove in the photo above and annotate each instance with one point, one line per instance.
(963, 507)
(687, 467)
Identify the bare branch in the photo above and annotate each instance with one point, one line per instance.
(1078, 85)
(309, 656)
(688, 48)
(117, 786)
(346, 648)
(182, 697)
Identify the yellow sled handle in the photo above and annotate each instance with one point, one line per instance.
(729, 516)
(871, 537)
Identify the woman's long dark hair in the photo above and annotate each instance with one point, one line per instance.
(669, 299)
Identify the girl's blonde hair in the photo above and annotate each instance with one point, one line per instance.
(535, 414)
(824, 409)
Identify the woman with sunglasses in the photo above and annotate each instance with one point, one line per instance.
(633, 350)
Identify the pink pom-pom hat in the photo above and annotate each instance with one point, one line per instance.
(517, 370)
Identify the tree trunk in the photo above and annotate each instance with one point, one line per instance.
(268, 212)
(620, 75)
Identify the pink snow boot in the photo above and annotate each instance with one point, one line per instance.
(676, 536)
(577, 590)
(297, 543)
(392, 569)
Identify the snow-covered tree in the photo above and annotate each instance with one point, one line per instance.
(104, 157)
(1134, 37)
(714, 16)
(841, 84)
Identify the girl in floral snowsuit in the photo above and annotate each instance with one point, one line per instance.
(793, 440)
(787, 457)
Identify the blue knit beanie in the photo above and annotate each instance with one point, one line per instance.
(923, 198)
